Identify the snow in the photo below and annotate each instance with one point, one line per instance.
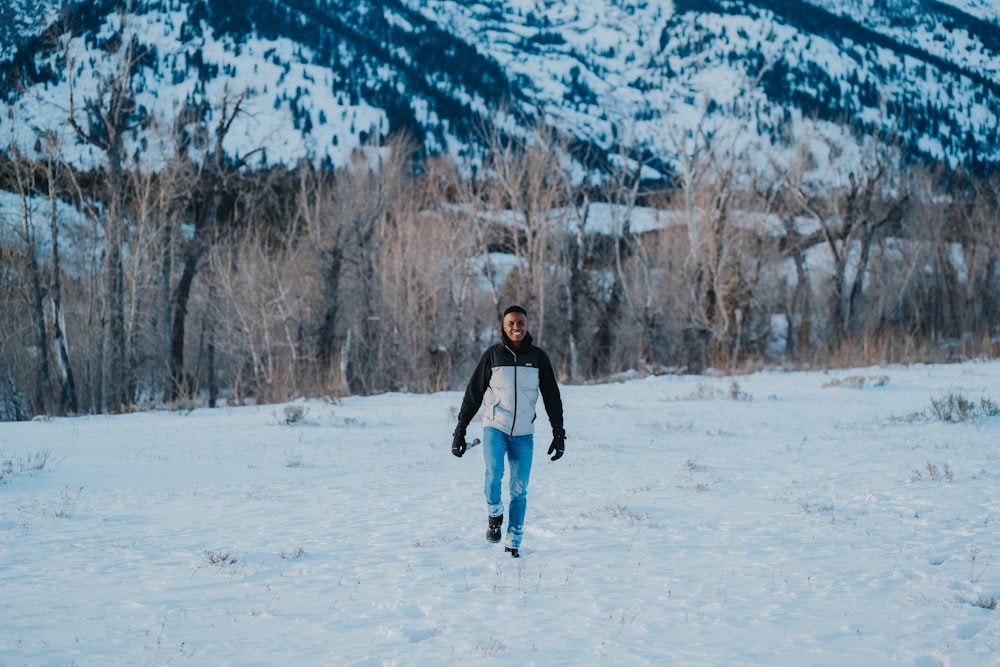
(269, 77)
(633, 91)
(779, 518)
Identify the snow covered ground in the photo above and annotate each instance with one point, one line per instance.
(772, 519)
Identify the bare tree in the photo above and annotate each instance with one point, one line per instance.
(526, 181)
(375, 193)
(944, 284)
(852, 219)
(108, 117)
(16, 384)
(631, 311)
(26, 179)
(714, 164)
(210, 200)
(782, 195)
(981, 247)
(344, 222)
(622, 189)
(68, 402)
(259, 285)
(576, 286)
(464, 261)
(435, 283)
(323, 233)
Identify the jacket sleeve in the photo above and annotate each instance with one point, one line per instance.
(475, 391)
(549, 388)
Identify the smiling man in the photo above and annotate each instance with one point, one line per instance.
(506, 384)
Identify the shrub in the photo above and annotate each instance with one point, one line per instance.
(957, 408)
(858, 382)
(294, 414)
(20, 466)
(986, 603)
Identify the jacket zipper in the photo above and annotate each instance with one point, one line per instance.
(513, 422)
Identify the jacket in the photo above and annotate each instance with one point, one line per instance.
(507, 385)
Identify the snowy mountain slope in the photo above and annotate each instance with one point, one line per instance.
(646, 72)
(316, 81)
(319, 76)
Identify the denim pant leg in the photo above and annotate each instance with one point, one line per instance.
(519, 454)
(518, 450)
(494, 451)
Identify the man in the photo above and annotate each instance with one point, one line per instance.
(506, 383)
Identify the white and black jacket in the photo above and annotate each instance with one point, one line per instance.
(507, 385)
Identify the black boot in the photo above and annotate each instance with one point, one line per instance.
(493, 530)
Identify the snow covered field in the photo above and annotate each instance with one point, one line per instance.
(772, 519)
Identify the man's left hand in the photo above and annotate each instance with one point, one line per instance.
(558, 447)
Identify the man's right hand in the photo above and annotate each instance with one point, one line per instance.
(458, 444)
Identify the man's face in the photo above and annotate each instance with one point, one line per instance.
(515, 325)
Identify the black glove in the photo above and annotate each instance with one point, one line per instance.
(558, 446)
(458, 443)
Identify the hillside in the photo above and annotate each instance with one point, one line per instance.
(320, 77)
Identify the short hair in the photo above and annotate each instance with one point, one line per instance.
(513, 309)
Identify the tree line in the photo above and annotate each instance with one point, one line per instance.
(194, 277)
(208, 280)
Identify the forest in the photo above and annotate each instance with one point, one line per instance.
(200, 278)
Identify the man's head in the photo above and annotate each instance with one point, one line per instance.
(515, 324)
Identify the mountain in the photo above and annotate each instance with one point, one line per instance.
(316, 78)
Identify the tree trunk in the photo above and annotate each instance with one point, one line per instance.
(67, 386)
(331, 299)
(574, 289)
(116, 398)
(11, 400)
(43, 390)
(179, 311)
(42, 398)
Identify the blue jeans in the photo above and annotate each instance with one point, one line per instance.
(518, 450)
